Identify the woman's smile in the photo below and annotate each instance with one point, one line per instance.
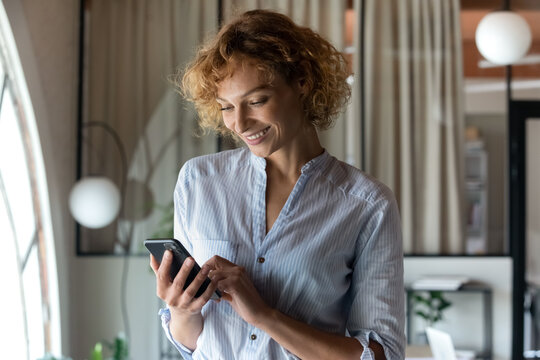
(257, 137)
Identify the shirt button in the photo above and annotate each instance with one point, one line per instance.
(260, 260)
(253, 337)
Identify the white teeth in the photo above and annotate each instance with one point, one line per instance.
(258, 135)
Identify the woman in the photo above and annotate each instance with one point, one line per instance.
(305, 249)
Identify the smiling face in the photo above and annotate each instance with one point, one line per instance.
(267, 117)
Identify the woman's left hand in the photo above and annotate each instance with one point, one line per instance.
(236, 287)
(301, 339)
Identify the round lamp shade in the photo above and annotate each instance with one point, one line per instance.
(503, 37)
(94, 202)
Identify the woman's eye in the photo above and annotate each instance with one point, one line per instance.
(258, 102)
(226, 108)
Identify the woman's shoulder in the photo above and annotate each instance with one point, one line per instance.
(216, 163)
(357, 183)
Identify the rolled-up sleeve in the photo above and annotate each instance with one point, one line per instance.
(165, 314)
(377, 311)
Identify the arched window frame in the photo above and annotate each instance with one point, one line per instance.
(40, 249)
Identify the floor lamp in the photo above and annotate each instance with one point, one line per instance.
(503, 38)
(95, 202)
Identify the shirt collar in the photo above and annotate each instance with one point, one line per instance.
(313, 164)
(316, 163)
(258, 162)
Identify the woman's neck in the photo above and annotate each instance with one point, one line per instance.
(288, 162)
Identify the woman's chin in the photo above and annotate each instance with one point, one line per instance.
(260, 150)
(257, 152)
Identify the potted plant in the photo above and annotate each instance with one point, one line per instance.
(118, 350)
(430, 306)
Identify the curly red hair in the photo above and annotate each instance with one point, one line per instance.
(278, 47)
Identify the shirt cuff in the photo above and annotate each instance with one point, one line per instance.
(363, 337)
(165, 314)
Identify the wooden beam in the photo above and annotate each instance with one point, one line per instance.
(498, 4)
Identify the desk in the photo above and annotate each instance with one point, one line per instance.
(417, 352)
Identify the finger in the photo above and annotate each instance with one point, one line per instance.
(217, 262)
(154, 264)
(218, 275)
(181, 277)
(235, 274)
(226, 296)
(164, 271)
(227, 285)
(207, 295)
(192, 289)
(229, 280)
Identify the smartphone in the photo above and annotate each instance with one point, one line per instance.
(157, 247)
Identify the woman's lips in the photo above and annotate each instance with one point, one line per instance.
(258, 137)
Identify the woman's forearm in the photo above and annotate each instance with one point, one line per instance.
(307, 342)
(186, 329)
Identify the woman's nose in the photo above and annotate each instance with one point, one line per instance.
(241, 121)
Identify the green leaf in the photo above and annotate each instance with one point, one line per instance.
(120, 348)
(421, 300)
(97, 352)
(429, 305)
(422, 314)
(444, 306)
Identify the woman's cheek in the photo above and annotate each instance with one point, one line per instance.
(228, 122)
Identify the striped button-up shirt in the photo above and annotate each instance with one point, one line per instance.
(333, 258)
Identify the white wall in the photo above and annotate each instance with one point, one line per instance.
(488, 95)
(98, 313)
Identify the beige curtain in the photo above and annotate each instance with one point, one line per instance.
(324, 16)
(131, 48)
(414, 116)
(413, 107)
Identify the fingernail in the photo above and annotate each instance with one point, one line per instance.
(189, 261)
(167, 254)
(205, 269)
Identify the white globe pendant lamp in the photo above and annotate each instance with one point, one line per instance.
(94, 202)
(503, 37)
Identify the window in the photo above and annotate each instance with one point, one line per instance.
(29, 290)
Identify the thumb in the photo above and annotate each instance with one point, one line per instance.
(154, 264)
(217, 262)
(225, 296)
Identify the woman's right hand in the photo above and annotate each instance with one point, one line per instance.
(186, 322)
(180, 301)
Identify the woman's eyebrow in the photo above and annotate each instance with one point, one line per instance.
(249, 92)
